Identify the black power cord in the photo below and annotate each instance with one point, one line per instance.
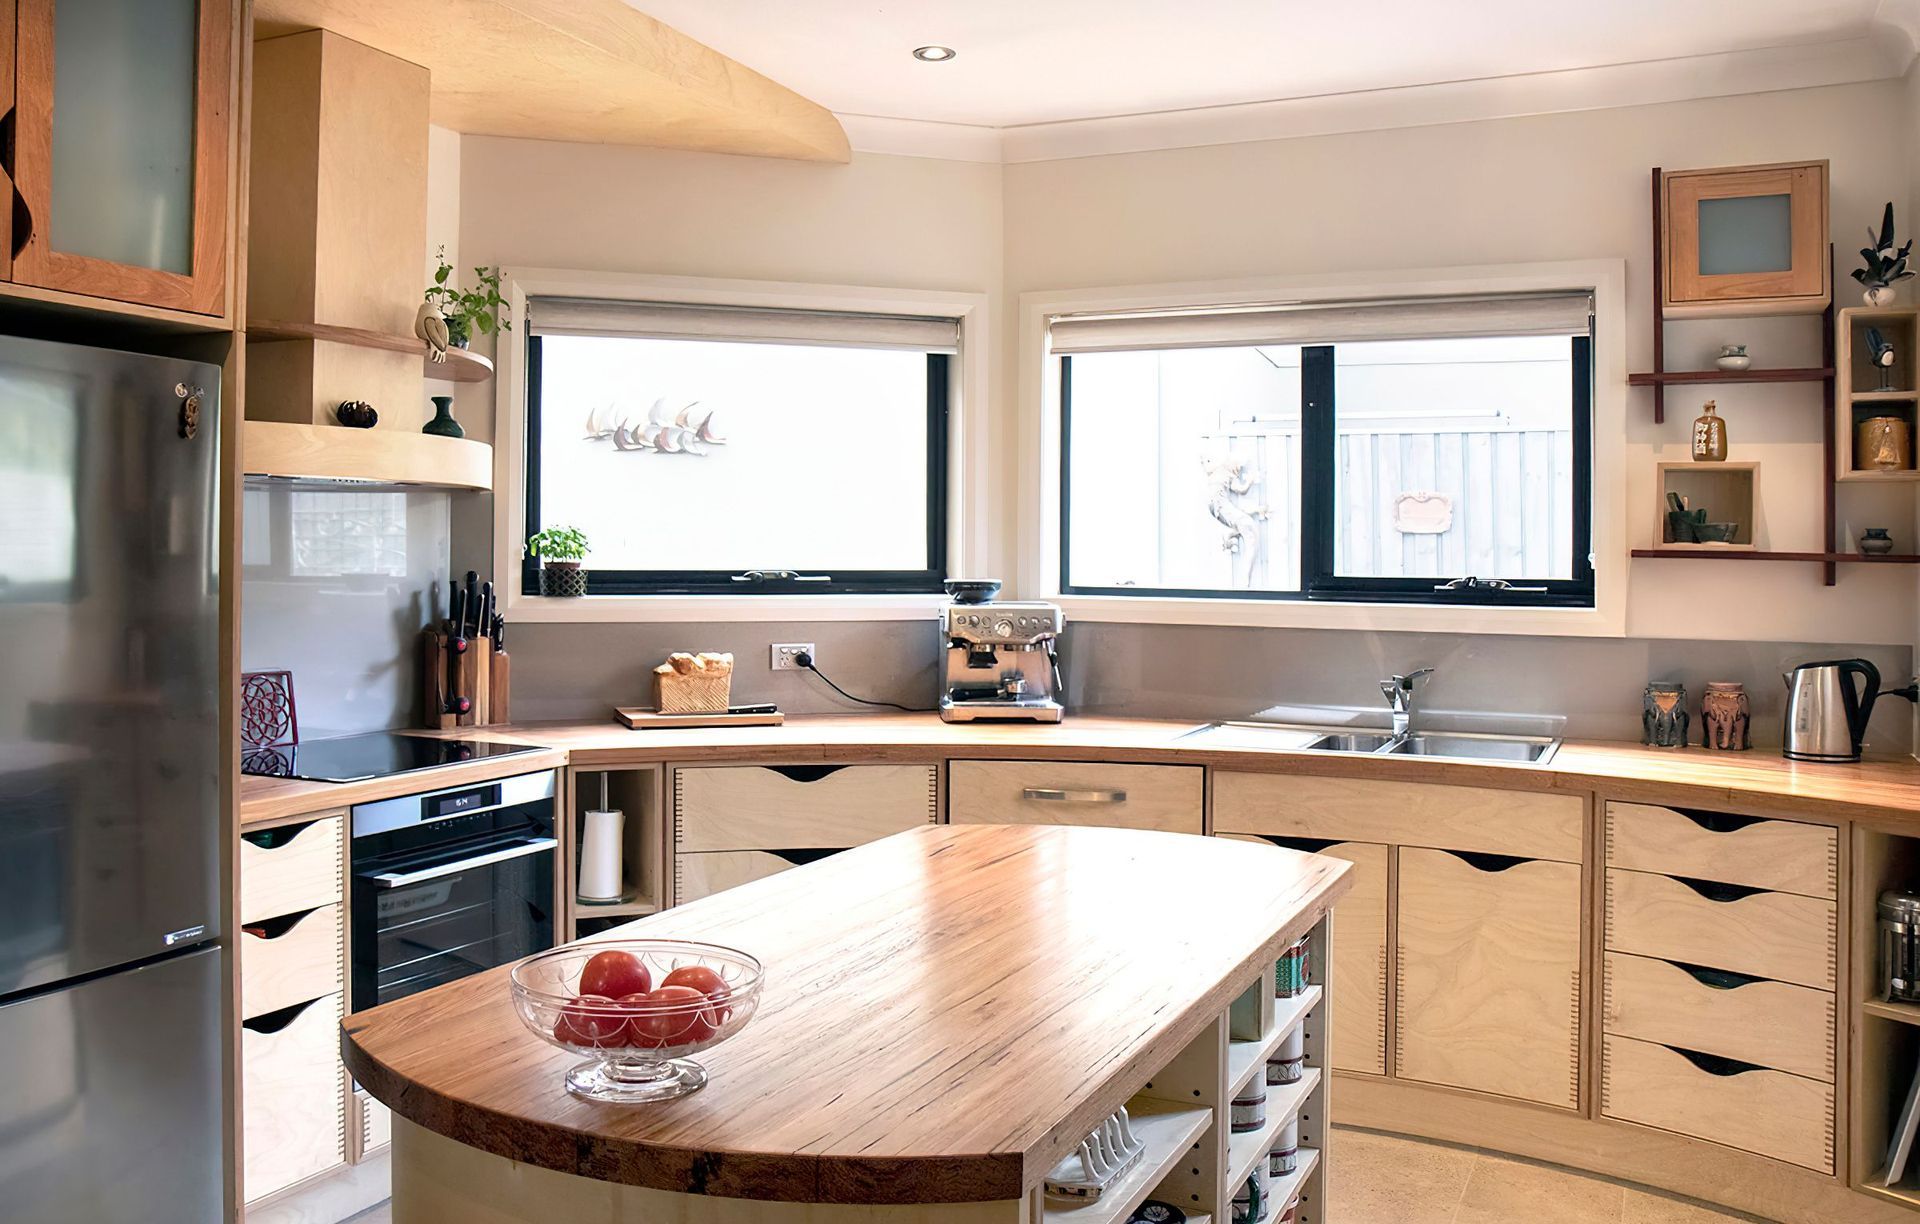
(804, 661)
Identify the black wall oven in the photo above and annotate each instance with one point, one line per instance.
(449, 883)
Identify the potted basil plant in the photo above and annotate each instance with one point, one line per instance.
(560, 550)
(466, 310)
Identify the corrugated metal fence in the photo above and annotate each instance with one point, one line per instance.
(1511, 493)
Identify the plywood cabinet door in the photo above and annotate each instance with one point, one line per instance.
(1359, 952)
(1488, 970)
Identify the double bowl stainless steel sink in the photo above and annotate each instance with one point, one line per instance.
(1455, 745)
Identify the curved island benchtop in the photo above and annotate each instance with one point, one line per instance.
(946, 1013)
(1885, 788)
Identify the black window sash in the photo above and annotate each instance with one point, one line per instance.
(1319, 510)
(723, 582)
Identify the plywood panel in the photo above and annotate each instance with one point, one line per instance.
(1768, 1112)
(299, 873)
(761, 808)
(1782, 855)
(1469, 818)
(598, 71)
(1782, 936)
(1487, 963)
(1166, 797)
(1788, 1028)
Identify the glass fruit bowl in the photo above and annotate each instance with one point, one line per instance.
(635, 1008)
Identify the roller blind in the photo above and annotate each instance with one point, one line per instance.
(568, 316)
(1538, 314)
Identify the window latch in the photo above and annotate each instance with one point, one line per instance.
(1470, 583)
(757, 576)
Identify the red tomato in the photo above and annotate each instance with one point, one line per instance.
(707, 981)
(655, 1026)
(584, 1023)
(615, 975)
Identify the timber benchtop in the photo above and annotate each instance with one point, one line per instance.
(946, 1013)
(1888, 790)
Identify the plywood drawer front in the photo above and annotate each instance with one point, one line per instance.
(294, 1098)
(291, 963)
(1167, 797)
(1771, 1024)
(298, 870)
(1782, 855)
(1359, 952)
(1782, 936)
(370, 1123)
(1469, 818)
(1770, 1113)
(799, 807)
(1488, 972)
(704, 873)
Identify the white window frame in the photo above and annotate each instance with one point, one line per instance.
(1040, 517)
(967, 527)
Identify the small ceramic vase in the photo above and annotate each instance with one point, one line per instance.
(1733, 358)
(1879, 295)
(443, 424)
(1709, 436)
(1724, 716)
(1663, 719)
(1875, 542)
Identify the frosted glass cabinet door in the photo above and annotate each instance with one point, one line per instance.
(122, 114)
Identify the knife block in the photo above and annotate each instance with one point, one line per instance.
(480, 674)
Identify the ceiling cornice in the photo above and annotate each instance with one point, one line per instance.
(1766, 70)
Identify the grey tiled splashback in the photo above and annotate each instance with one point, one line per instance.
(582, 671)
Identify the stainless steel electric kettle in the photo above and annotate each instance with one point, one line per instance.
(1827, 711)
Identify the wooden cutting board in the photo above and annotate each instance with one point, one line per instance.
(642, 718)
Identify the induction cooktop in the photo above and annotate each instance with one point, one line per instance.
(355, 758)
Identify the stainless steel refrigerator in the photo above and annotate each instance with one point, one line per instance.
(111, 1075)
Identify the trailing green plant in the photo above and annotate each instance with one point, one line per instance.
(565, 544)
(465, 310)
(1884, 264)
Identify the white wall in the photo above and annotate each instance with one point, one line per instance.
(1546, 188)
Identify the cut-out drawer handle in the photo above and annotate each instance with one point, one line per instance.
(1058, 794)
(1714, 1064)
(274, 1021)
(1312, 845)
(1718, 979)
(277, 928)
(1489, 863)
(800, 858)
(1719, 822)
(805, 773)
(1714, 890)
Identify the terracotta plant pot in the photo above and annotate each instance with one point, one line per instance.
(563, 578)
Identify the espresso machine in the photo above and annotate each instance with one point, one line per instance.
(1000, 657)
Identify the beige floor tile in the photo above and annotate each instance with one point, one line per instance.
(1645, 1207)
(1504, 1191)
(1382, 1179)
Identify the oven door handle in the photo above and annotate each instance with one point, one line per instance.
(400, 879)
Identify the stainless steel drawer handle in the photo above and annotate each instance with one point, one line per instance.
(400, 879)
(1050, 794)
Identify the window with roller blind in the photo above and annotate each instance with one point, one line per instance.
(740, 451)
(1429, 451)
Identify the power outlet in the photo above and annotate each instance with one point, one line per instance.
(783, 654)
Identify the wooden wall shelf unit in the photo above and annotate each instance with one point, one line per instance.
(1857, 392)
(461, 366)
(375, 456)
(1831, 558)
(1664, 378)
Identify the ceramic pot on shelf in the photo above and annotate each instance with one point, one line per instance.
(1733, 358)
(1709, 436)
(1875, 542)
(1879, 295)
(1725, 714)
(443, 425)
(1663, 718)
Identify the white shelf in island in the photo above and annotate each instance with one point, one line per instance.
(1283, 1106)
(1169, 1132)
(1244, 1056)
